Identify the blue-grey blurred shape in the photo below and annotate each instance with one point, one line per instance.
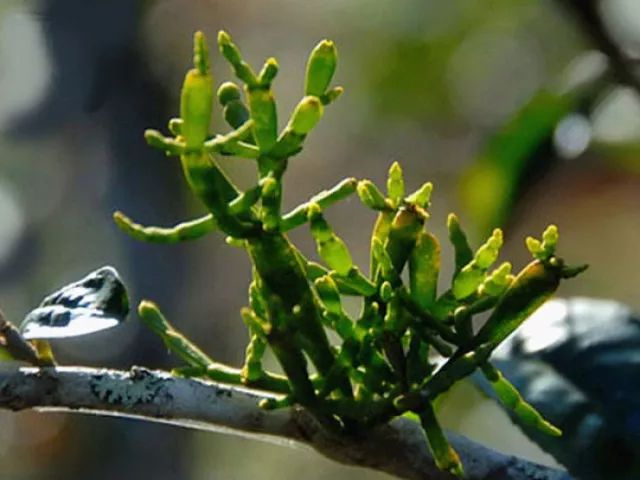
(97, 302)
(578, 362)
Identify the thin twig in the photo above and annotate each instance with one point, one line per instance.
(15, 344)
(398, 448)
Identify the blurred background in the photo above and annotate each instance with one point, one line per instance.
(505, 105)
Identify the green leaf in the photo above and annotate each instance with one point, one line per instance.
(444, 455)
(371, 196)
(490, 186)
(395, 184)
(320, 68)
(457, 237)
(424, 267)
(511, 399)
(184, 231)
(232, 54)
(196, 98)
(265, 119)
(306, 115)
(330, 247)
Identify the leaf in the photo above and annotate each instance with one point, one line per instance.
(97, 302)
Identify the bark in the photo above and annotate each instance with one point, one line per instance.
(398, 448)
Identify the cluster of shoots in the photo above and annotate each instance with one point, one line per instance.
(409, 343)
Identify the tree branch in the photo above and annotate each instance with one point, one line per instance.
(398, 448)
(15, 344)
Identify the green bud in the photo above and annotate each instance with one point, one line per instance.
(315, 270)
(228, 48)
(496, 239)
(254, 322)
(380, 234)
(175, 342)
(386, 292)
(306, 115)
(330, 247)
(252, 370)
(228, 92)
(395, 184)
(320, 68)
(458, 239)
(395, 319)
(263, 112)
(424, 267)
(320, 229)
(371, 196)
(534, 246)
(511, 399)
(496, 283)
(422, 196)
(488, 253)
(155, 139)
(270, 193)
(329, 295)
(444, 455)
(336, 254)
(461, 313)
(355, 283)
(152, 317)
(235, 113)
(175, 126)
(467, 281)
(275, 403)
(382, 258)
(545, 249)
(234, 242)
(502, 274)
(200, 53)
(550, 239)
(229, 51)
(245, 200)
(331, 95)
(196, 97)
(550, 235)
(256, 300)
(269, 187)
(268, 72)
(407, 223)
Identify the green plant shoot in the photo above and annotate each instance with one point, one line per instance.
(384, 364)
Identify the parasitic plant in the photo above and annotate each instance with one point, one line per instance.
(409, 343)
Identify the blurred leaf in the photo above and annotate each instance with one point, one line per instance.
(577, 361)
(522, 150)
(97, 302)
(408, 80)
(490, 186)
(4, 354)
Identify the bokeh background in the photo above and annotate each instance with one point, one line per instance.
(503, 104)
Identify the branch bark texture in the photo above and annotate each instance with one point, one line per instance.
(398, 448)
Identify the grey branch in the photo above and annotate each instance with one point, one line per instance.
(398, 448)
